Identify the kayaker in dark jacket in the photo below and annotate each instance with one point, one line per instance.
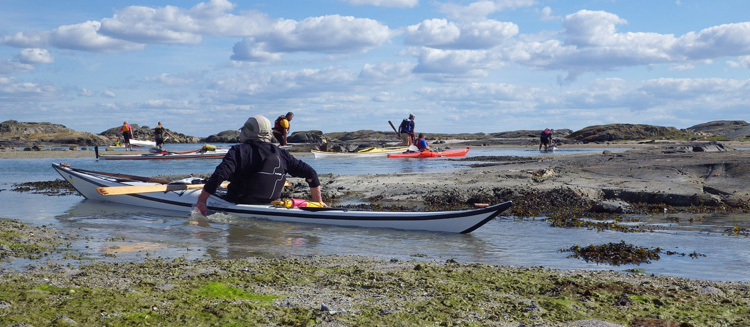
(256, 169)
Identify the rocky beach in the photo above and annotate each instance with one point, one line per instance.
(665, 174)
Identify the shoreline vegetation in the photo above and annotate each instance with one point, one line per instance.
(684, 176)
(343, 291)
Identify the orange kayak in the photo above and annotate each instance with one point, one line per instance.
(431, 154)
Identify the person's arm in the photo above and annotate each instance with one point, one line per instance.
(201, 203)
(299, 168)
(222, 172)
(316, 195)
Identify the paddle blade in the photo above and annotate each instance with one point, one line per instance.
(413, 148)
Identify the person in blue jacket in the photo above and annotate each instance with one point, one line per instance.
(406, 131)
(422, 143)
(256, 169)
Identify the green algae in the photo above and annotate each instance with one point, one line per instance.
(21, 240)
(355, 291)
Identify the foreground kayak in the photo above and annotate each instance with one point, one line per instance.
(366, 153)
(431, 154)
(203, 153)
(87, 182)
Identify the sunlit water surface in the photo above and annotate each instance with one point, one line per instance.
(115, 232)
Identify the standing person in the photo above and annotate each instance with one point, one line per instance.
(127, 134)
(281, 128)
(544, 138)
(159, 132)
(406, 130)
(256, 169)
(422, 143)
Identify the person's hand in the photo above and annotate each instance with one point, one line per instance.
(201, 207)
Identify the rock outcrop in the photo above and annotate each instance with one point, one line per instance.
(14, 133)
(147, 133)
(731, 129)
(618, 132)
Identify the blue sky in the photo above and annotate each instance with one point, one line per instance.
(345, 65)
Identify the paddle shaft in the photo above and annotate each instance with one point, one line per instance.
(395, 130)
(135, 189)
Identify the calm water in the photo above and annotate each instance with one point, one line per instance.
(142, 232)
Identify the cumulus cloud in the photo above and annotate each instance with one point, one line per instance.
(325, 34)
(716, 41)
(384, 3)
(478, 10)
(386, 72)
(546, 14)
(27, 40)
(169, 79)
(175, 25)
(440, 64)
(743, 61)
(35, 56)
(590, 42)
(440, 33)
(246, 87)
(109, 94)
(12, 89)
(85, 37)
(8, 67)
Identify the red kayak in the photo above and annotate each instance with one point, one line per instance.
(430, 154)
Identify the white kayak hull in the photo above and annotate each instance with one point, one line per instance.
(142, 143)
(466, 221)
(216, 154)
(378, 153)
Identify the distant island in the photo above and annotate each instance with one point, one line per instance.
(18, 134)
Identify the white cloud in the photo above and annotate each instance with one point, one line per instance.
(546, 14)
(742, 61)
(36, 56)
(169, 79)
(8, 67)
(439, 64)
(479, 10)
(15, 90)
(85, 93)
(384, 3)
(439, 33)
(174, 25)
(714, 42)
(27, 39)
(326, 34)
(85, 37)
(109, 94)
(386, 72)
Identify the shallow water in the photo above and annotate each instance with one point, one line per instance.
(115, 232)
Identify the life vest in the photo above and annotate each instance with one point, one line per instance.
(268, 182)
(159, 131)
(405, 126)
(277, 127)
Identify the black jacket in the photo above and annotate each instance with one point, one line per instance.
(242, 163)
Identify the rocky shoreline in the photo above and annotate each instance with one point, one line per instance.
(343, 291)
